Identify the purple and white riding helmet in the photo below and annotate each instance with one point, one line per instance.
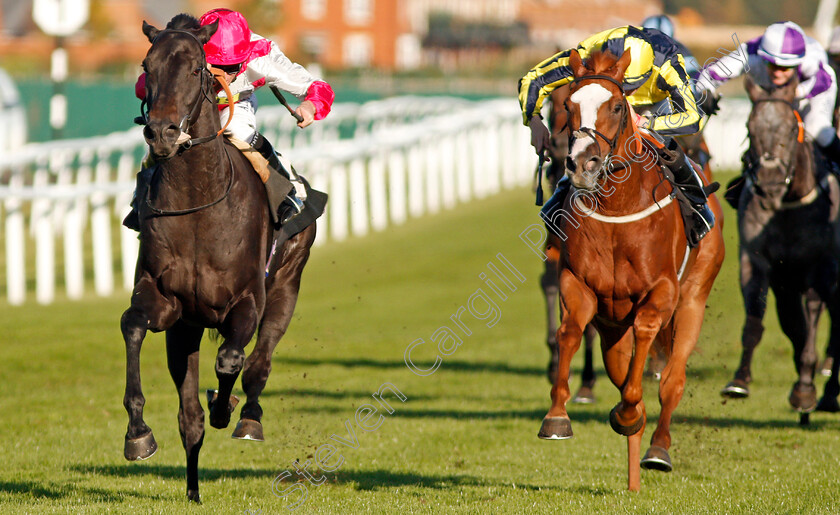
(783, 44)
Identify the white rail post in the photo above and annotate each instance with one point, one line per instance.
(15, 243)
(377, 191)
(129, 244)
(463, 171)
(430, 147)
(358, 196)
(103, 272)
(318, 173)
(446, 151)
(338, 201)
(397, 185)
(415, 181)
(74, 270)
(44, 237)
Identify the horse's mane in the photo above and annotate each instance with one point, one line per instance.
(601, 62)
(183, 21)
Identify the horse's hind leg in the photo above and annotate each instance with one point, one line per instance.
(139, 440)
(551, 289)
(585, 395)
(795, 324)
(828, 402)
(238, 328)
(182, 344)
(281, 297)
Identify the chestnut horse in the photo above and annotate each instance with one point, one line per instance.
(205, 252)
(625, 265)
(695, 148)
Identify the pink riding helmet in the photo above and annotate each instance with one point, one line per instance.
(783, 44)
(231, 44)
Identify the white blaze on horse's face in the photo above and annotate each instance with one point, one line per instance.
(589, 99)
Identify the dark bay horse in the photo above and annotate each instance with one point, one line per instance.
(695, 149)
(625, 265)
(205, 243)
(789, 237)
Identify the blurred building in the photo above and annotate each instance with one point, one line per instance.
(382, 34)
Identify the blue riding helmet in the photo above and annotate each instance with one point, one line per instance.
(661, 23)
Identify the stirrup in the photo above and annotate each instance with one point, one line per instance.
(290, 208)
(704, 221)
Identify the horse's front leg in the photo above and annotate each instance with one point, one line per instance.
(578, 306)
(182, 344)
(148, 311)
(551, 289)
(628, 416)
(237, 330)
(754, 284)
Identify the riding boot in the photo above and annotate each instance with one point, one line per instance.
(279, 193)
(692, 189)
(555, 203)
(832, 152)
(132, 219)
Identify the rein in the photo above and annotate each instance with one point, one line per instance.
(178, 212)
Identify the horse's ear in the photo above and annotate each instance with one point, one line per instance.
(576, 63)
(206, 32)
(754, 91)
(621, 66)
(150, 31)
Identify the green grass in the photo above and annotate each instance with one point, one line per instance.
(464, 440)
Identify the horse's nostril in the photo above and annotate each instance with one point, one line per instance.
(570, 164)
(148, 133)
(172, 132)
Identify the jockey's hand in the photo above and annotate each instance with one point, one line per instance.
(306, 110)
(709, 103)
(640, 121)
(540, 137)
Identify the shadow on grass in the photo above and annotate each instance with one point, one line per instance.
(55, 491)
(324, 394)
(448, 365)
(379, 479)
(171, 472)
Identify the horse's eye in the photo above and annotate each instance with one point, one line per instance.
(196, 71)
(617, 108)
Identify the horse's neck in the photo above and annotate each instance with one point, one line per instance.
(201, 169)
(805, 171)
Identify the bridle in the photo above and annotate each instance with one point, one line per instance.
(593, 133)
(206, 74)
(767, 160)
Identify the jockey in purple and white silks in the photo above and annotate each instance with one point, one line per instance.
(771, 60)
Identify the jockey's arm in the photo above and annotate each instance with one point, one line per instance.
(685, 118)
(721, 70)
(538, 83)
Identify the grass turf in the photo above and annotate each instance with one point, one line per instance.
(465, 438)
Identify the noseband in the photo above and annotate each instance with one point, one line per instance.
(593, 133)
(767, 160)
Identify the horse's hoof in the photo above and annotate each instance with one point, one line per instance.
(828, 404)
(140, 448)
(247, 429)
(825, 366)
(220, 420)
(192, 495)
(803, 397)
(737, 389)
(555, 428)
(622, 429)
(657, 458)
(584, 395)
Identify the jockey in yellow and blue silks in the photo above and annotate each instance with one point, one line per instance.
(657, 87)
